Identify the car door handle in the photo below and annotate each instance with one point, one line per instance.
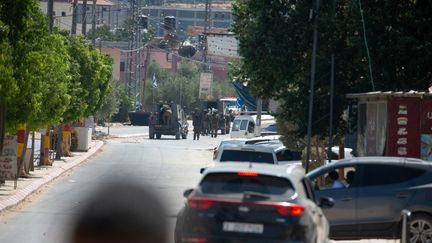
(402, 195)
(347, 199)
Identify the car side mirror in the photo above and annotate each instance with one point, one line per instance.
(187, 192)
(326, 202)
(202, 170)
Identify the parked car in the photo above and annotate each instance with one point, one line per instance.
(241, 202)
(269, 153)
(375, 190)
(244, 126)
(226, 142)
(239, 141)
(270, 130)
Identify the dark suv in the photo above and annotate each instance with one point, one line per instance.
(369, 194)
(249, 202)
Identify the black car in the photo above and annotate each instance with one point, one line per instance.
(369, 194)
(247, 202)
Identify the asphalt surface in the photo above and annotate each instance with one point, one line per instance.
(169, 166)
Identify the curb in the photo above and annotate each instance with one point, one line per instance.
(24, 192)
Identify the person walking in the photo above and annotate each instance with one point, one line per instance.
(197, 124)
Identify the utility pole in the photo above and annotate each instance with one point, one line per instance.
(74, 17)
(206, 27)
(312, 83)
(329, 152)
(50, 14)
(94, 23)
(138, 54)
(330, 145)
(131, 47)
(84, 18)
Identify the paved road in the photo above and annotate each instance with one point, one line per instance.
(169, 165)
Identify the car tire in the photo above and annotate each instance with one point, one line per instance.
(419, 224)
(158, 135)
(151, 135)
(177, 136)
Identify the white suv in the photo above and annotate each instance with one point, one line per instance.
(268, 153)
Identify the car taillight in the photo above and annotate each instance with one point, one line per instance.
(289, 209)
(247, 173)
(194, 239)
(200, 203)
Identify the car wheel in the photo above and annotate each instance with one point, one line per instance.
(151, 135)
(421, 228)
(158, 135)
(177, 136)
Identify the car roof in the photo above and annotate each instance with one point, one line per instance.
(292, 172)
(375, 160)
(264, 138)
(249, 147)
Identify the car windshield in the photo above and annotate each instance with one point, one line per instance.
(228, 183)
(231, 103)
(247, 156)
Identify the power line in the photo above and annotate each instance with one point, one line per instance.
(366, 46)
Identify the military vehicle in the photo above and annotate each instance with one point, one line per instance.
(168, 119)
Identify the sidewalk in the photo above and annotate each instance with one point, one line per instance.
(42, 175)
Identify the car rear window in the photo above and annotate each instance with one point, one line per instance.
(229, 183)
(246, 156)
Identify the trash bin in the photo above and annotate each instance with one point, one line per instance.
(84, 135)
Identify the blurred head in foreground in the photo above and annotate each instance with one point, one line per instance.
(121, 212)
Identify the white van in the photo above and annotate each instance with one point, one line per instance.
(244, 126)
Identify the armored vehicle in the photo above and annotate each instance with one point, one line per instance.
(168, 119)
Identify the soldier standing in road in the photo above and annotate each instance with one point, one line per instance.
(197, 124)
(214, 120)
(205, 123)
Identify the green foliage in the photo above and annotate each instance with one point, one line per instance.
(113, 101)
(124, 106)
(276, 42)
(181, 88)
(38, 60)
(8, 84)
(48, 69)
(91, 73)
(222, 89)
(123, 33)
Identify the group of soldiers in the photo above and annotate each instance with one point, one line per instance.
(205, 123)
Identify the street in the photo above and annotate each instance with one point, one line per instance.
(170, 166)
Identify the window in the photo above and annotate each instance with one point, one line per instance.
(384, 174)
(223, 183)
(243, 124)
(287, 155)
(251, 127)
(339, 178)
(246, 156)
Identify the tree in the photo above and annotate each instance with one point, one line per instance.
(41, 72)
(8, 85)
(181, 88)
(112, 104)
(91, 73)
(275, 43)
